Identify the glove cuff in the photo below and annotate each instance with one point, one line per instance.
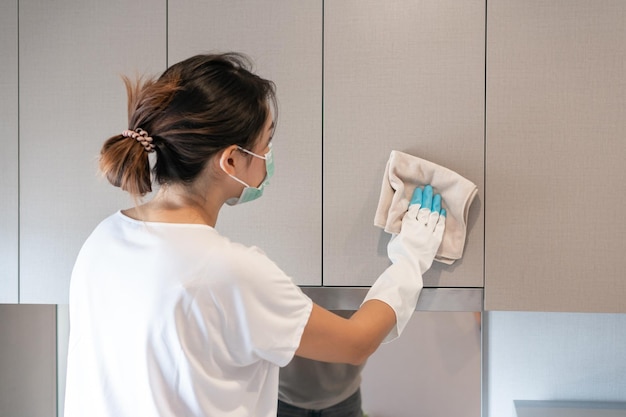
(399, 287)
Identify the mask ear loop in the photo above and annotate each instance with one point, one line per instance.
(250, 152)
(269, 145)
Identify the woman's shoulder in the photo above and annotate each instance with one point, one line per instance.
(189, 243)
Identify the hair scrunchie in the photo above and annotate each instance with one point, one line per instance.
(142, 137)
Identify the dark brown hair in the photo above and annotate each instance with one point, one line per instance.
(193, 110)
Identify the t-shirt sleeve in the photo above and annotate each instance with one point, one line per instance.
(265, 312)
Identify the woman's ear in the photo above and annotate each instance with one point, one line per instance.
(228, 159)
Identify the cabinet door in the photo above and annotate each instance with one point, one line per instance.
(71, 100)
(8, 155)
(434, 369)
(28, 335)
(407, 76)
(556, 146)
(284, 38)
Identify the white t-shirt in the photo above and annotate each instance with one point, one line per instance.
(177, 320)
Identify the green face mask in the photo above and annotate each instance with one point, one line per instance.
(252, 193)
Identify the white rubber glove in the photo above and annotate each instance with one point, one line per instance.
(411, 252)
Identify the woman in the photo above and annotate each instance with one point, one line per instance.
(168, 317)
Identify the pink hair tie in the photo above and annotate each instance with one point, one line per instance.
(140, 136)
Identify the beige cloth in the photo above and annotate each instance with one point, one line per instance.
(403, 174)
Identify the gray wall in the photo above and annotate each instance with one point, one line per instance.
(553, 356)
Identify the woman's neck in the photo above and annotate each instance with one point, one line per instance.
(177, 205)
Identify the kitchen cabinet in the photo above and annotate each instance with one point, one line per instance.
(539, 129)
(8, 155)
(28, 363)
(407, 76)
(433, 369)
(71, 100)
(415, 68)
(284, 39)
(555, 182)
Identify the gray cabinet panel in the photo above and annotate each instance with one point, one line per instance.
(72, 99)
(28, 370)
(284, 38)
(556, 105)
(408, 76)
(433, 370)
(8, 155)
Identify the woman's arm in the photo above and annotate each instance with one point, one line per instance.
(390, 302)
(328, 337)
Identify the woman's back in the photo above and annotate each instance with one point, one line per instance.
(176, 317)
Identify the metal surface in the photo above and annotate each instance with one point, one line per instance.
(534, 408)
(431, 299)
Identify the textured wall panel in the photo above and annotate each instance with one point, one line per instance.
(8, 155)
(408, 76)
(284, 38)
(71, 100)
(556, 145)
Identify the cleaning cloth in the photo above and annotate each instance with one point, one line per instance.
(403, 174)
